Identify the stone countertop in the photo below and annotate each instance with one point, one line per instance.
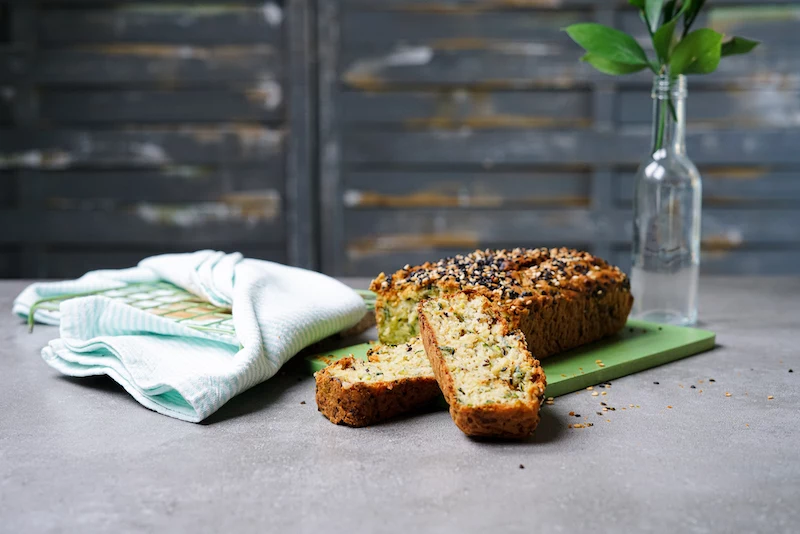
(80, 455)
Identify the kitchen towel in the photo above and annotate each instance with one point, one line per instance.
(177, 370)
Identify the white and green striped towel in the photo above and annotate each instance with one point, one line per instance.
(177, 370)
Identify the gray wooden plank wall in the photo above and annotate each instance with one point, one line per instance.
(129, 128)
(359, 135)
(447, 125)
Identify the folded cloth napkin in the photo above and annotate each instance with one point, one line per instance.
(181, 371)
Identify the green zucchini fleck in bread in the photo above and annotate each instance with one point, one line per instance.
(490, 380)
(558, 298)
(395, 380)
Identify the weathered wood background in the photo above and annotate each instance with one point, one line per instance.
(453, 124)
(133, 128)
(359, 135)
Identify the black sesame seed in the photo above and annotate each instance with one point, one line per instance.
(711, 380)
(693, 386)
(791, 371)
(521, 466)
(656, 383)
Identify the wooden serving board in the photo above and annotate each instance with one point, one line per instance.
(641, 345)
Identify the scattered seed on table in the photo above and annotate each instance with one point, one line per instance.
(590, 388)
(571, 414)
(608, 420)
(595, 394)
(601, 365)
(550, 398)
(727, 394)
(521, 466)
(603, 404)
(656, 383)
(711, 380)
(670, 407)
(693, 386)
(604, 393)
(599, 413)
(791, 371)
(770, 397)
(302, 402)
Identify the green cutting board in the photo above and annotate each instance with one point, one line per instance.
(641, 345)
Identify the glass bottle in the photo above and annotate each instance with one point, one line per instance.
(666, 216)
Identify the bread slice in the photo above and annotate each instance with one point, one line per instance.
(395, 380)
(490, 380)
(558, 298)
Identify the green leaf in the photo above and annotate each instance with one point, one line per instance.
(738, 45)
(652, 9)
(637, 3)
(607, 66)
(697, 53)
(608, 43)
(662, 40)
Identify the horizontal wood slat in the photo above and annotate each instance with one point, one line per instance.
(165, 226)
(157, 65)
(733, 186)
(738, 262)
(492, 148)
(153, 23)
(142, 148)
(532, 32)
(172, 185)
(261, 102)
(466, 190)
(464, 108)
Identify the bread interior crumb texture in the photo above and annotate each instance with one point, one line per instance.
(387, 363)
(487, 364)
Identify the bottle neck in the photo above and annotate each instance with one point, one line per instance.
(669, 114)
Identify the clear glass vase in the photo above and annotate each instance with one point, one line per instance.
(666, 216)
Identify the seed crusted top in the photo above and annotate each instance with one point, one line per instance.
(510, 275)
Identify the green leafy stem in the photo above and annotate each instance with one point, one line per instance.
(678, 50)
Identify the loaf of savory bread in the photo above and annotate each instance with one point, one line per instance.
(484, 318)
(558, 298)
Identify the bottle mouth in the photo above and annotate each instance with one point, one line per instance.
(666, 87)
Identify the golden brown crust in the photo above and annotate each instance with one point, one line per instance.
(513, 420)
(558, 298)
(365, 403)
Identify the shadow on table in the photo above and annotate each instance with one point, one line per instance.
(101, 384)
(550, 428)
(257, 398)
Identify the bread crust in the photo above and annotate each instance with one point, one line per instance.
(558, 298)
(361, 404)
(515, 420)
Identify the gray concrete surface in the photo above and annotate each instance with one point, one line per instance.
(79, 455)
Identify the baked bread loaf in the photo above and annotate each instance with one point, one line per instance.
(395, 380)
(558, 298)
(490, 380)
